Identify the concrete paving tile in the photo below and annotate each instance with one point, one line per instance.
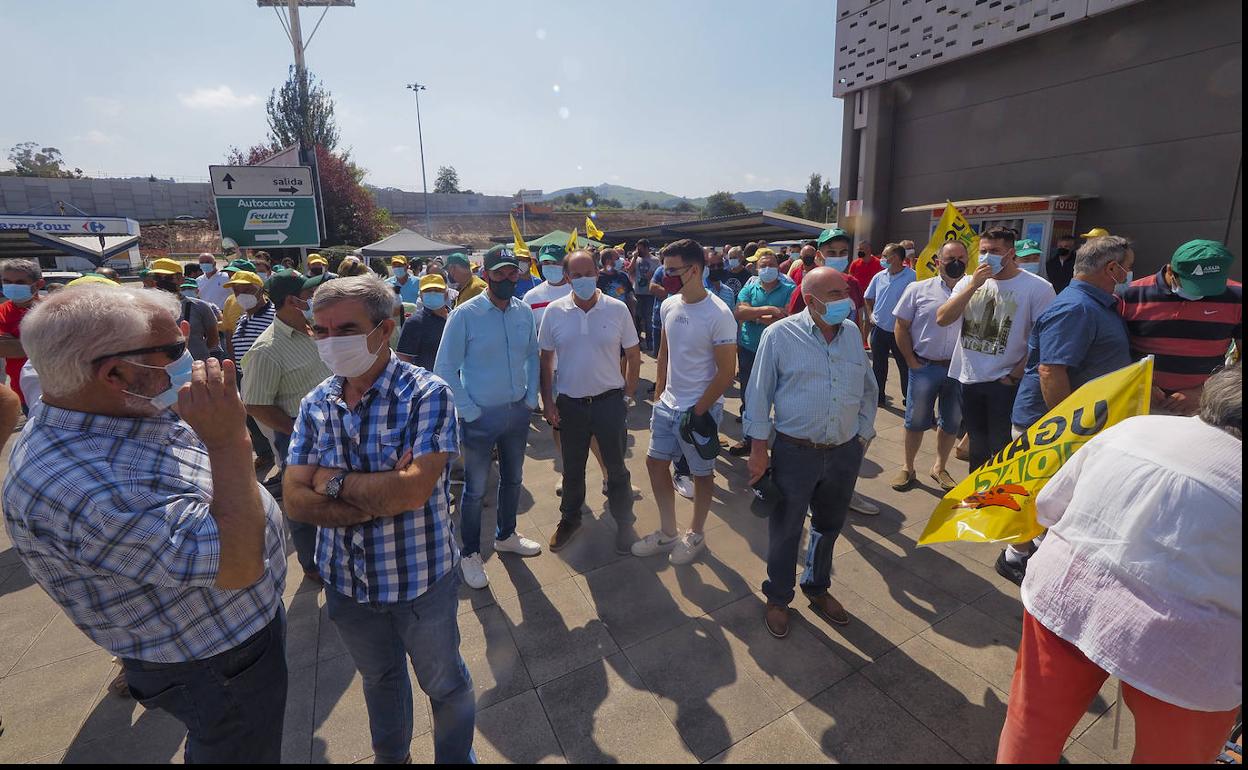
(1076, 753)
(328, 642)
(854, 722)
(783, 742)
(472, 599)
(963, 577)
(515, 731)
(1099, 737)
(510, 574)
(708, 583)
(556, 631)
(603, 713)
(25, 611)
(491, 655)
(59, 640)
(303, 621)
(146, 737)
(870, 634)
(789, 670)
(965, 710)
(112, 715)
(1004, 605)
(694, 675)
(53, 700)
(592, 548)
(341, 720)
(300, 719)
(55, 758)
(632, 601)
(984, 553)
(296, 583)
(978, 642)
(906, 597)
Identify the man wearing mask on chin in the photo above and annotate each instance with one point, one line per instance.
(489, 357)
(813, 357)
(1060, 269)
(369, 468)
(23, 279)
(994, 308)
(147, 526)
(422, 333)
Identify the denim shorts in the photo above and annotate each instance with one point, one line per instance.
(666, 443)
(930, 383)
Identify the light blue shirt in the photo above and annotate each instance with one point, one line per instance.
(821, 391)
(884, 290)
(410, 291)
(489, 357)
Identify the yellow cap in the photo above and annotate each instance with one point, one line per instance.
(398, 260)
(165, 267)
(79, 281)
(244, 278)
(759, 254)
(317, 259)
(429, 282)
(1095, 232)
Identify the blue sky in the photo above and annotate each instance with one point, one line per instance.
(686, 96)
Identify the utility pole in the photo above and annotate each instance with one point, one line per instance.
(416, 88)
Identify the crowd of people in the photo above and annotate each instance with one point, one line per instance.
(129, 498)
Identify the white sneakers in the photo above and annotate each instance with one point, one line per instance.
(518, 544)
(682, 549)
(684, 486)
(859, 504)
(474, 571)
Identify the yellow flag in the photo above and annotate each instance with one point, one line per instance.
(951, 227)
(571, 247)
(519, 247)
(592, 231)
(621, 248)
(997, 502)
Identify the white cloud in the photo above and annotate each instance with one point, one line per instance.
(400, 148)
(219, 98)
(104, 106)
(96, 136)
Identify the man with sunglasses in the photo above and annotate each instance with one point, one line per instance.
(146, 526)
(282, 367)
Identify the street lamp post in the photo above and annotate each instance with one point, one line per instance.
(424, 182)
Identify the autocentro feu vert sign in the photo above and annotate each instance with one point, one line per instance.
(262, 206)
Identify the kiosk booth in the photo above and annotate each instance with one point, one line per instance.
(1041, 218)
(72, 242)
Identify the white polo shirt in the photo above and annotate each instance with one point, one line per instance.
(917, 306)
(212, 289)
(587, 344)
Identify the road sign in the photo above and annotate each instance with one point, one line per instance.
(254, 222)
(276, 181)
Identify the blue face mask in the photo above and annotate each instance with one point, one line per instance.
(552, 273)
(179, 374)
(837, 263)
(1031, 267)
(433, 300)
(17, 292)
(584, 288)
(400, 272)
(733, 264)
(993, 260)
(768, 274)
(190, 293)
(836, 312)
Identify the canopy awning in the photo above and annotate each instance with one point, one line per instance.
(409, 244)
(1012, 204)
(552, 238)
(734, 229)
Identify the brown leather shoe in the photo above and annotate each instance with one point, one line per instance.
(777, 620)
(564, 534)
(829, 609)
(739, 449)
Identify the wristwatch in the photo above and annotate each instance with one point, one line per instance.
(333, 487)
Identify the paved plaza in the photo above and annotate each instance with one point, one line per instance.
(586, 656)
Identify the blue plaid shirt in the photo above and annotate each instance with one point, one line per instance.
(110, 515)
(390, 559)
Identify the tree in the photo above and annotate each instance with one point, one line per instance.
(29, 159)
(722, 204)
(645, 206)
(448, 180)
(790, 207)
(287, 123)
(684, 206)
(818, 205)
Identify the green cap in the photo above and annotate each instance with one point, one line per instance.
(458, 258)
(189, 283)
(281, 285)
(500, 256)
(1026, 248)
(830, 234)
(552, 252)
(143, 271)
(240, 264)
(315, 281)
(1202, 267)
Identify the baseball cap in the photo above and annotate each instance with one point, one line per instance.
(287, 283)
(313, 282)
(143, 271)
(1201, 267)
(829, 234)
(239, 264)
(766, 496)
(93, 278)
(760, 254)
(398, 260)
(458, 258)
(1027, 247)
(165, 267)
(317, 259)
(244, 278)
(500, 256)
(1095, 232)
(430, 282)
(552, 252)
(700, 432)
(189, 283)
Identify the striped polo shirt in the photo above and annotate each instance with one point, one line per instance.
(248, 328)
(1188, 338)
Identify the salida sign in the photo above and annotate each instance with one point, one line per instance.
(260, 206)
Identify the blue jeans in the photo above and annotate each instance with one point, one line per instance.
(928, 384)
(666, 443)
(302, 534)
(233, 704)
(506, 427)
(821, 480)
(381, 638)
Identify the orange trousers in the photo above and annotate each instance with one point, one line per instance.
(1054, 683)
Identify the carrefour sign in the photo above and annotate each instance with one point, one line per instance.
(55, 225)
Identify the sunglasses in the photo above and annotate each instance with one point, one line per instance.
(173, 350)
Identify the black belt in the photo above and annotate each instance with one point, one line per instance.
(613, 393)
(923, 360)
(808, 444)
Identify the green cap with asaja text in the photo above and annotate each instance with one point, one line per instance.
(1202, 267)
(831, 233)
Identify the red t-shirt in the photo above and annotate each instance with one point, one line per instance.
(797, 303)
(863, 270)
(11, 316)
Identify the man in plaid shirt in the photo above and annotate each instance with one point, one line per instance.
(368, 466)
(151, 531)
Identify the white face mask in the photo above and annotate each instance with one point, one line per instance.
(347, 356)
(247, 301)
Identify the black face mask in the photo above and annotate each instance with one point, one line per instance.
(1063, 252)
(808, 261)
(955, 269)
(862, 255)
(503, 290)
(719, 275)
